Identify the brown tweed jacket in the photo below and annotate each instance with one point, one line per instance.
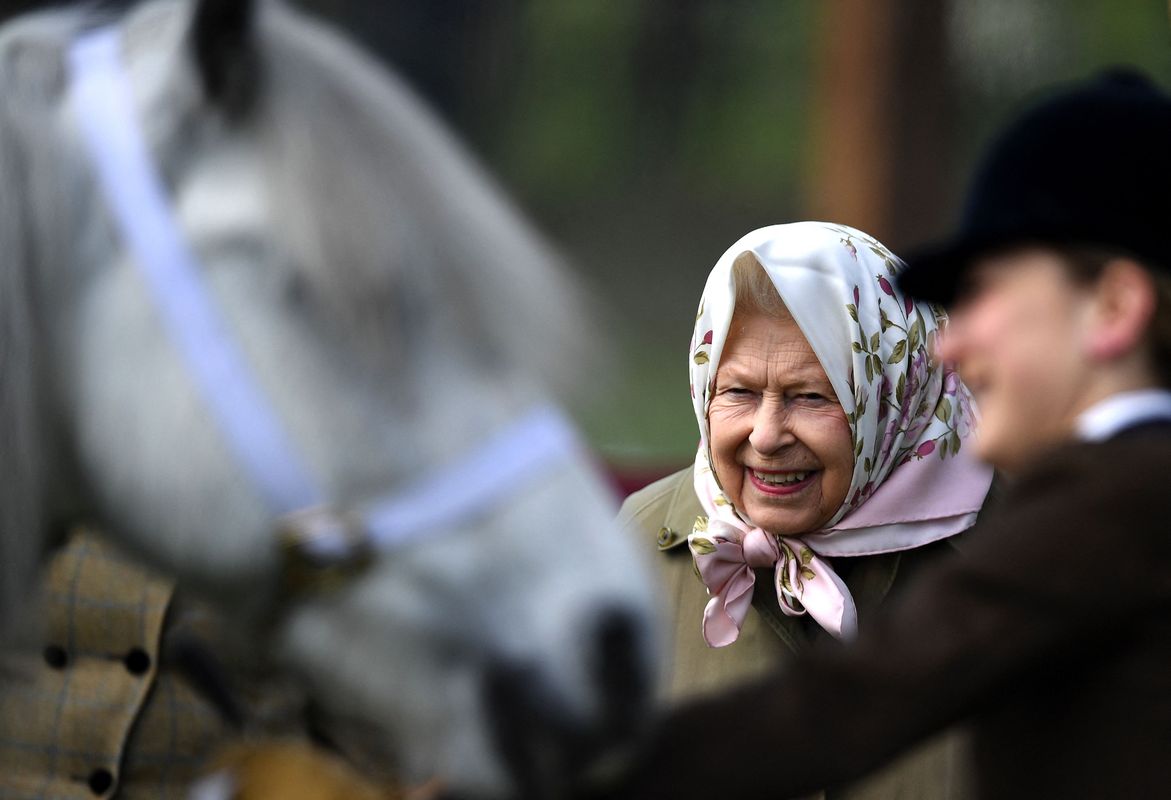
(100, 711)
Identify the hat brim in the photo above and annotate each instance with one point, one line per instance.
(936, 273)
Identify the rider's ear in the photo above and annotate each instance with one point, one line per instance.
(224, 45)
(1124, 303)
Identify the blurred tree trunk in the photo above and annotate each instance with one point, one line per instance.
(851, 124)
(880, 135)
(923, 137)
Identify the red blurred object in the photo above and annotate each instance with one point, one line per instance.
(627, 479)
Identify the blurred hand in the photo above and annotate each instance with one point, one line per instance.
(294, 770)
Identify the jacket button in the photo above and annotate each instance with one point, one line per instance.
(100, 781)
(56, 657)
(137, 661)
(666, 536)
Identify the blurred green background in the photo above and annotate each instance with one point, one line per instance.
(645, 136)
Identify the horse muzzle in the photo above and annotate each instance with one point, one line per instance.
(552, 753)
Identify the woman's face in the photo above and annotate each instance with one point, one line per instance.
(780, 443)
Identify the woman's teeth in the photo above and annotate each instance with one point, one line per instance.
(780, 478)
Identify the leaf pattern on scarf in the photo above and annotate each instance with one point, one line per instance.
(901, 377)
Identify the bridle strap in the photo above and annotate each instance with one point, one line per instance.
(506, 461)
(136, 196)
(138, 200)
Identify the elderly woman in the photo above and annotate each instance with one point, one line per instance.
(833, 459)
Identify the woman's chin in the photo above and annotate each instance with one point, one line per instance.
(781, 521)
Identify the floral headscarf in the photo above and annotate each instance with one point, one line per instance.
(914, 481)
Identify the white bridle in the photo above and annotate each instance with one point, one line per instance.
(134, 192)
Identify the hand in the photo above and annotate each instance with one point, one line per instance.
(295, 770)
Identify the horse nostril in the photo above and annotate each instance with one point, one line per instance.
(620, 674)
(526, 729)
(546, 746)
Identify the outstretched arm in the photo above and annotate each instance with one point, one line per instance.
(1024, 600)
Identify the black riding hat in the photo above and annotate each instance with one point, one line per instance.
(1088, 166)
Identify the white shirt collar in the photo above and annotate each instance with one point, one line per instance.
(1121, 411)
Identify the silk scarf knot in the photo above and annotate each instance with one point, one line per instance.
(727, 557)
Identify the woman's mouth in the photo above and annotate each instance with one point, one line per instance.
(781, 482)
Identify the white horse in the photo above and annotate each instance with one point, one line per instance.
(393, 313)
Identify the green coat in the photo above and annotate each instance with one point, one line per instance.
(661, 515)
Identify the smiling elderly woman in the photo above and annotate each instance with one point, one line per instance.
(833, 460)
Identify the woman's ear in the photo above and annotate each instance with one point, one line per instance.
(1124, 302)
(225, 48)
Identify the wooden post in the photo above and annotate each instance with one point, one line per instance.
(850, 127)
(881, 119)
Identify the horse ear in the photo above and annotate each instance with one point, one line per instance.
(223, 38)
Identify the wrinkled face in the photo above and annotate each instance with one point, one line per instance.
(1014, 337)
(780, 442)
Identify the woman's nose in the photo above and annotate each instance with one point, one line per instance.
(771, 428)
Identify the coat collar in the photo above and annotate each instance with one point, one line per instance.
(869, 578)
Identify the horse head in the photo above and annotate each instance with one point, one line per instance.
(404, 330)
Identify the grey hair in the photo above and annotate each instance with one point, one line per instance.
(755, 291)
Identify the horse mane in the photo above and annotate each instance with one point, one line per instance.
(30, 80)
